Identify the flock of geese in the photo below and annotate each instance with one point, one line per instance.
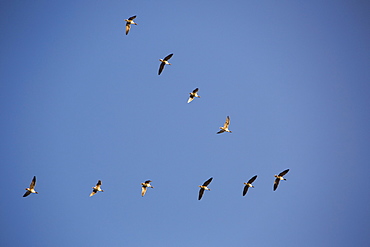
(146, 184)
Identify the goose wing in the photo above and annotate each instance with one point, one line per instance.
(252, 179)
(27, 193)
(143, 190)
(33, 182)
(227, 122)
(221, 131)
(93, 192)
(284, 172)
(98, 184)
(161, 67)
(195, 90)
(190, 98)
(132, 17)
(168, 57)
(128, 26)
(201, 191)
(246, 187)
(208, 182)
(276, 183)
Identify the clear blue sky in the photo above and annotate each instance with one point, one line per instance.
(81, 101)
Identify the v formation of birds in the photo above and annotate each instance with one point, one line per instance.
(146, 184)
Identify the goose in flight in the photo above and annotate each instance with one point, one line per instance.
(164, 62)
(248, 185)
(225, 127)
(130, 21)
(96, 188)
(279, 178)
(31, 189)
(145, 185)
(193, 95)
(204, 187)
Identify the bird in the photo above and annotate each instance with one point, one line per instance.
(130, 21)
(204, 187)
(225, 127)
(279, 177)
(145, 185)
(96, 188)
(31, 189)
(164, 62)
(193, 95)
(248, 185)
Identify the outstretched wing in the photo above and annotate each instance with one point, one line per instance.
(221, 131)
(190, 98)
(195, 90)
(284, 172)
(252, 179)
(227, 122)
(276, 183)
(207, 182)
(246, 187)
(33, 182)
(98, 184)
(132, 17)
(93, 192)
(161, 68)
(143, 190)
(128, 26)
(201, 191)
(148, 181)
(168, 57)
(27, 193)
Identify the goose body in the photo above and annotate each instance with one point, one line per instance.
(164, 62)
(31, 189)
(248, 185)
(204, 187)
(96, 188)
(225, 127)
(129, 22)
(279, 178)
(144, 186)
(193, 95)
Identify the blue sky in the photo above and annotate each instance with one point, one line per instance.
(81, 101)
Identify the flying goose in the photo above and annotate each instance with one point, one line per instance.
(163, 63)
(96, 188)
(31, 189)
(225, 127)
(248, 185)
(193, 95)
(130, 21)
(279, 177)
(204, 187)
(145, 185)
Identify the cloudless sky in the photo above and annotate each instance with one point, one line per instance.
(82, 101)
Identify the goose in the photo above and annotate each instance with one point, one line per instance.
(204, 187)
(193, 95)
(248, 185)
(225, 127)
(96, 188)
(164, 62)
(279, 177)
(31, 189)
(130, 21)
(145, 185)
